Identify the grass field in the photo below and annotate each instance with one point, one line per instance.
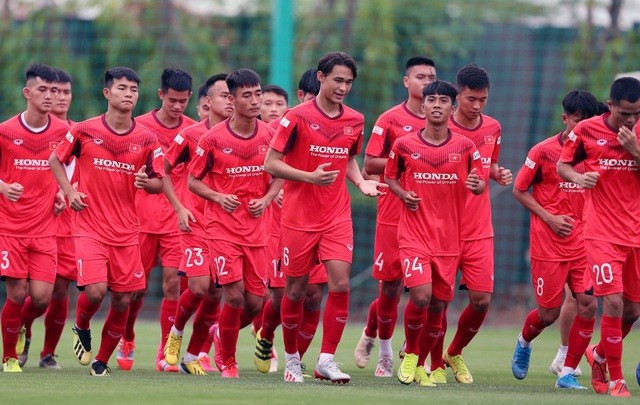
(488, 358)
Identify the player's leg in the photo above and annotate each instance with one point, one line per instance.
(311, 308)
(565, 321)
(54, 321)
(35, 305)
(11, 321)
(171, 255)
(203, 320)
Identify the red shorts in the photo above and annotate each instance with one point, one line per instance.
(240, 263)
(301, 250)
(167, 245)
(118, 266)
(67, 258)
(386, 266)
(476, 264)
(28, 258)
(549, 278)
(196, 256)
(420, 268)
(614, 269)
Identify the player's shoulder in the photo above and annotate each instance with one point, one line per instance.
(187, 121)
(265, 129)
(488, 122)
(10, 123)
(90, 123)
(351, 113)
(393, 112)
(597, 123)
(147, 117)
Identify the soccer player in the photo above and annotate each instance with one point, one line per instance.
(115, 157)
(405, 118)
(201, 295)
(608, 146)
(440, 167)
(159, 233)
(314, 149)
(28, 195)
(203, 106)
(275, 102)
(238, 191)
(476, 255)
(557, 246)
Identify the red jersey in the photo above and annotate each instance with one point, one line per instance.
(437, 173)
(155, 212)
(24, 159)
(391, 125)
(308, 137)
(106, 167)
(612, 212)
(487, 137)
(555, 195)
(235, 165)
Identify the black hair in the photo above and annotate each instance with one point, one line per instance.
(63, 77)
(272, 88)
(442, 88)
(602, 108)
(625, 88)
(332, 59)
(118, 73)
(580, 102)
(45, 72)
(242, 78)
(176, 79)
(309, 83)
(202, 91)
(418, 61)
(472, 77)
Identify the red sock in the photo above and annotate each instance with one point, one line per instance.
(112, 331)
(29, 314)
(229, 330)
(184, 284)
(85, 310)
(187, 305)
(168, 310)
(430, 334)
(579, 338)
(11, 325)
(134, 310)
(270, 321)
(611, 339)
(532, 327)
(54, 320)
(414, 319)
(387, 316)
(438, 347)
(310, 320)
(468, 326)
(201, 324)
(214, 306)
(291, 317)
(257, 320)
(371, 328)
(336, 312)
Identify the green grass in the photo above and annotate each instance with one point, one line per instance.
(488, 358)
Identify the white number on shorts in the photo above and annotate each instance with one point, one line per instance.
(285, 256)
(379, 262)
(220, 263)
(5, 260)
(276, 273)
(540, 286)
(190, 253)
(604, 274)
(416, 266)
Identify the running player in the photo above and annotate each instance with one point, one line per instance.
(115, 157)
(556, 243)
(275, 101)
(608, 146)
(403, 119)
(203, 105)
(159, 233)
(28, 194)
(440, 167)
(314, 149)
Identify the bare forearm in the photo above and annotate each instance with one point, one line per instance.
(200, 189)
(60, 174)
(374, 165)
(353, 171)
(154, 186)
(526, 199)
(394, 186)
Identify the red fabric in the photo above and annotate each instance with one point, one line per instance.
(134, 309)
(11, 325)
(85, 310)
(187, 305)
(414, 320)
(336, 312)
(54, 322)
(291, 317)
(112, 331)
(310, 320)
(579, 338)
(229, 329)
(531, 329)
(430, 334)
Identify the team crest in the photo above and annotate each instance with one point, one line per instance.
(347, 130)
(455, 157)
(407, 128)
(315, 127)
(53, 145)
(227, 151)
(18, 142)
(415, 156)
(262, 149)
(601, 142)
(134, 148)
(99, 141)
(488, 139)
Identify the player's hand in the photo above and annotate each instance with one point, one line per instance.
(473, 180)
(256, 207)
(628, 140)
(279, 198)
(588, 180)
(60, 204)
(411, 200)
(184, 216)
(77, 200)
(561, 225)
(141, 178)
(371, 188)
(12, 191)
(322, 177)
(228, 202)
(505, 176)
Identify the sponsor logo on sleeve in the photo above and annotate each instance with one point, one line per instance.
(347, 130)
(499, 140)
(135, 148)
(178, 139)
(377, 130)
(285, 122)
(530, 163)
(572, 137)
(199, 151)
(392, 155)
(455, 157)
(69, 137)
(158, 152)
(476, 155)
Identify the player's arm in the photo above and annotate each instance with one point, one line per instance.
(629, 142)
(142, 181)
(76, 198)
(408, 197)
(256, 207)
(184, 215)
(374, 165)
(561, 225)
(500, 175)
(275, 166)
(228, 202)
(366, 187)
(12, 191)
(568, 173)
(474, 182)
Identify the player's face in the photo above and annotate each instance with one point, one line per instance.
(304, 97)
(174, 102)
(570, 121)
(221, 106)
(471, 103)
(417, 77)
(203, 108)
(337, 84)
(624, 113)
(438, 108)
(40, 94)
(247, 101)
(62, 99)
(273, 106)
(122, 95)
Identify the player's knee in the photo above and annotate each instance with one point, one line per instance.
(480, 302)
(391, 290)
(235, 301)
(548, 316)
